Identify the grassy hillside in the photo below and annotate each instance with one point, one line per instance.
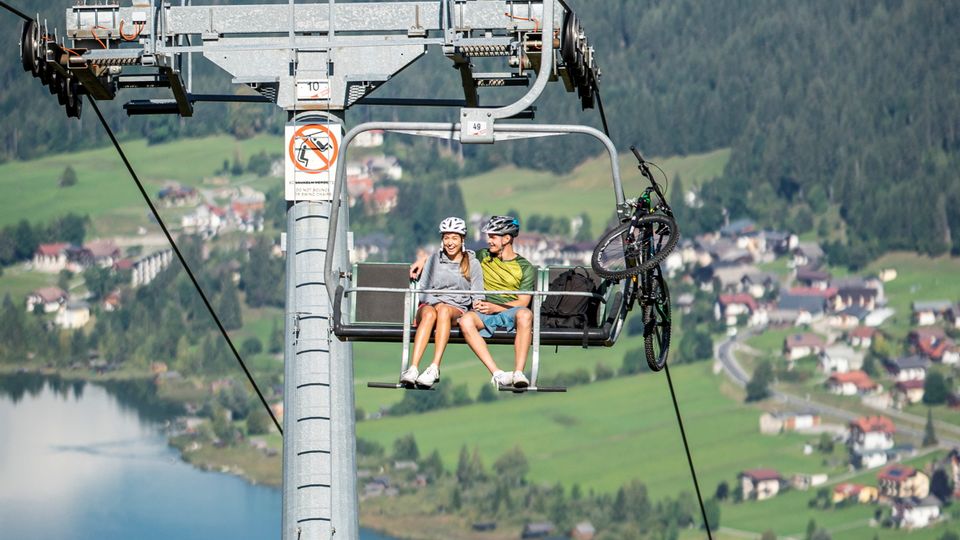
(104, 189)
(603, 434)
(587, 188)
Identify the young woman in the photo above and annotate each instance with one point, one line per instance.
(454, 268)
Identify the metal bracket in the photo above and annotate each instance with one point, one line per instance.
(476, 126)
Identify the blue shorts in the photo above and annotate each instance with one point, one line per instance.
(505, 320)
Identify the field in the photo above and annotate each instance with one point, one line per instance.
(919, 279)
(603, 434)
(792, 514)
(587, 188)
(104, 189)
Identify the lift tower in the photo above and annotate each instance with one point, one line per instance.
(316, 61)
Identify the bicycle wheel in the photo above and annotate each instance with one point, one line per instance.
(624, 252)
(656, 319)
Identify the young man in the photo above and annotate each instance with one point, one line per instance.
(503, 270)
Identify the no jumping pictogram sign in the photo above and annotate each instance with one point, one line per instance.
(313, 148)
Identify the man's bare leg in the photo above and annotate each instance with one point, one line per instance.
(470, 326)
(521, 344)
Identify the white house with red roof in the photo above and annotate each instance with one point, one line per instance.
(51, 258)
(932, 343)
(760, 484)
(861, 336)
(730, 307)
(852, 383)
(870, 437)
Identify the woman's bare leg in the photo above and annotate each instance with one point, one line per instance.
(426, 319)
(446, 315)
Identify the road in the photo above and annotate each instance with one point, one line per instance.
(948, 434)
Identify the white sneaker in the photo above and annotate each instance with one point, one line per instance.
(502, 378)
(429, 377)
(520, 380)
(409, 376)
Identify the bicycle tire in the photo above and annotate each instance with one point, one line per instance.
(616, 258)
(656, 319)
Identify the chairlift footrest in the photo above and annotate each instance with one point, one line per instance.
(399, 386)
(516, 390)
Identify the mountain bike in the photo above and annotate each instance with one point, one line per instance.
(644, 240)
(634, 250)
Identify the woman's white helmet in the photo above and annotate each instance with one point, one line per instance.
(453, 225)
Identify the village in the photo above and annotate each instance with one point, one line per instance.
(760, 281)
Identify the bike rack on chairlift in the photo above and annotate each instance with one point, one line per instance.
(617, 298)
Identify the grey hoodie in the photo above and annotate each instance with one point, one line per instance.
(440, 272)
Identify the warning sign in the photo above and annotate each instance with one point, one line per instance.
(311, 161)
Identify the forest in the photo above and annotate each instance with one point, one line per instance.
(842, 108)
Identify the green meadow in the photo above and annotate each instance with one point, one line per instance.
(104, 189)
(603, 434)
(919, 278)
(587, 188)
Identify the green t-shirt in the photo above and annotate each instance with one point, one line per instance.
(500, 275)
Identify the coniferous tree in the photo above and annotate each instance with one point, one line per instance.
(929, 434)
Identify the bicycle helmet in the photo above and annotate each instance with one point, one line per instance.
(502, 225)
(453, 225)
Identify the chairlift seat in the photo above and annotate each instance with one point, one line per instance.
(377, 316)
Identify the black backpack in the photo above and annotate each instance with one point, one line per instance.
(558, 311)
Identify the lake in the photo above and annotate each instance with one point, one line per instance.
(81, 461)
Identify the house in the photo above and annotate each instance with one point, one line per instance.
(369, 139)
(953, 315)
(760, 484)
(806, 254)
(807, 481)
(813, 278)
(847, 296)
(851, 383)
(205, 220)
(176, 195)
(583, 531)
(51, 258)
(799, 345)
(542, 529)
(877, 316)
(780, 243)
(73, 315)
(861, 336)
(933, 344)
(929, 312)
(908, 392)
(382, 200)
(799, 308)
(915, 513)
(898, 481)
(849, 317)
(774, 423)
(858, 492)
(146, 268)
(384, 167)
(730, 307)
(907, 368)
(840, 358)
(869, 439)
(371, 247)
(51, 298)
(104, 253)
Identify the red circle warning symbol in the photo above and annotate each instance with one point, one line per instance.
(313, 148)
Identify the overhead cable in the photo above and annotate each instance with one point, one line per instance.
(666, 366)
(196, 284)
